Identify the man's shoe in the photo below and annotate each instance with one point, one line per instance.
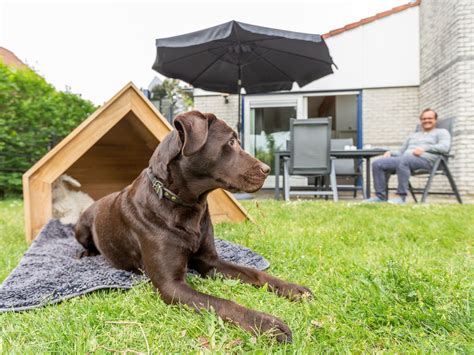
(373, 199)
(397, 201)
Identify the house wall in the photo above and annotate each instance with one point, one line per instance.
(216, 104)
(389, 115)
(383, 53)
(447, 76)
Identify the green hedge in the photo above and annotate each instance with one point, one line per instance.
(33, 117)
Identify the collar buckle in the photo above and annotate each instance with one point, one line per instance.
(158, 188)
(162, 192)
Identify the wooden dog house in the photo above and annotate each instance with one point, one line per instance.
(105, 153)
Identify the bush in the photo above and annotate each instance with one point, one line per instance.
(33, 117)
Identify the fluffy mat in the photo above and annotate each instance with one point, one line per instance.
(50, 272)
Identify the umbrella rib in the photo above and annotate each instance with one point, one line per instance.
(206, 68)
(297, 55)
(192, 54)
(274, 66)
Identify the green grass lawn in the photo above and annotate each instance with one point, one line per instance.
(393, 278)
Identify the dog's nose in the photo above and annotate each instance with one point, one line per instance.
(265, 168)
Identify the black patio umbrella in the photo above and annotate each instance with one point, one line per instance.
(236, 55)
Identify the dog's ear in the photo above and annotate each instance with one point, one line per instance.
(193, 129)
(167, 150)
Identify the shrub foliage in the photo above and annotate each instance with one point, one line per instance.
(33, 117)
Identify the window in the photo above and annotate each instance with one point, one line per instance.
(269, 131)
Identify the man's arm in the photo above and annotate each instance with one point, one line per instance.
(444, 143)
(402, 149)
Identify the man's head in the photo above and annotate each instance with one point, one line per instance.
(207, 154)
(428, 119)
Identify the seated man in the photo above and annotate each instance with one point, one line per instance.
(418, 152)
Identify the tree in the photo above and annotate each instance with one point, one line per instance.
(171, 91)
(33, 117)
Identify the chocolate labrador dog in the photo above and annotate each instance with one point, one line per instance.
(160, 224)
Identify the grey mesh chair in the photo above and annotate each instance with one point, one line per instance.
(310, 148)
(346, 168)
(440, 167)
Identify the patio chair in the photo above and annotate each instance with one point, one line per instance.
(310, 156)
(440, 167)
(347, 168)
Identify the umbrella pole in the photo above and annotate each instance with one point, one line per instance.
(239, 118)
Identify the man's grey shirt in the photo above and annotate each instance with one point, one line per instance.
(434, 142)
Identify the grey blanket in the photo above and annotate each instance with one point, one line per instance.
(50, 271)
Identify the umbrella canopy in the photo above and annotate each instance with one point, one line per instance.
(233, 55)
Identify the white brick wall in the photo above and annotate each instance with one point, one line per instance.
(447, 76)
(389, 115)
(216, 104)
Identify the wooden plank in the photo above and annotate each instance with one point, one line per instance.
(40, 211)
(223, 203)
(27, 208)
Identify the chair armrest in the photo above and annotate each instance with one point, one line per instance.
(444, 155)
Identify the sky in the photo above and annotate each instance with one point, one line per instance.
(94, 48)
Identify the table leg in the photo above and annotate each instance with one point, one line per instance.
(367, 177)
(277, 176)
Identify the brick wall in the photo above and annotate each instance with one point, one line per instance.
(216, 104)
(447, 76)
(389, 115)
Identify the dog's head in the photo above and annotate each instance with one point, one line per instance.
(207, 152)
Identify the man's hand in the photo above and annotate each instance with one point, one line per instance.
(387, 154)
(418, 151)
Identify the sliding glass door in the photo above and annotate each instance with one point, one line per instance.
(269, 131)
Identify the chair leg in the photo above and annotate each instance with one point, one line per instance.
(316, 185)
(364, 193)
(335, 195)
(451, 181)
(410, 187)
(325, 185)
(355, 187)
(286, 180)
(430, 181)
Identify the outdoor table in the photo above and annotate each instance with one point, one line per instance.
(365, 154)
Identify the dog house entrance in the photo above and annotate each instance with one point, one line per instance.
(116, 159)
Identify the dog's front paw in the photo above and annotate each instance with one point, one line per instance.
(292, 291)
(85, 253)
(262, 323)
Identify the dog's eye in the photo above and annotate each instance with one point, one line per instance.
(232, 142)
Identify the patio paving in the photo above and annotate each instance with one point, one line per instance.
(347, 196)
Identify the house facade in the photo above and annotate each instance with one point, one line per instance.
(390, 67)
